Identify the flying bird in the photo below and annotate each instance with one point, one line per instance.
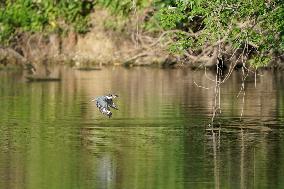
(104, 103)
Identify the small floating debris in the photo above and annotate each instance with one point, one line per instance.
(33, 78)
(88, 68)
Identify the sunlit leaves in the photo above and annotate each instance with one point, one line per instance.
(182, 43)
(170, 17)
(238, 22)
(40, 16)
(123, 7)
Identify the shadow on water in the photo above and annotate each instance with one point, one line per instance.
(52, 136)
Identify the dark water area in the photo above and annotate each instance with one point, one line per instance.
(53, 137)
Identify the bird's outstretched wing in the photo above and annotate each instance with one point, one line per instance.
(106, 112)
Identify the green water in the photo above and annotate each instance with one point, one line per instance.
(53, 137)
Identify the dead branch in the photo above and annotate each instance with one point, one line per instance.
(133, 58)
(11, 53)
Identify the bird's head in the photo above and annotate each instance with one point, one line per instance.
(111, 96)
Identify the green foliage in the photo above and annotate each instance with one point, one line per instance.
(239, 23)
(43, 15)
(170, 18)
(182, 43)
(123, 7)
(259, 61)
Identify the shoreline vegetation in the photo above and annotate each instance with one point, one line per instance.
(89, 34)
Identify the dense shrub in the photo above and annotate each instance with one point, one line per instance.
(43, 16)
(255, 28)
(241, 24)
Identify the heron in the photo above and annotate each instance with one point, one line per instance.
(104, 103)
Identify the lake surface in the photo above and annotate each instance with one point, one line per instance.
(53, 137)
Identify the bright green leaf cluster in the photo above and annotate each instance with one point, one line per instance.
(239, 23)
(42, 15)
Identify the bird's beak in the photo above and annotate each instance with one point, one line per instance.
(93, 100)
